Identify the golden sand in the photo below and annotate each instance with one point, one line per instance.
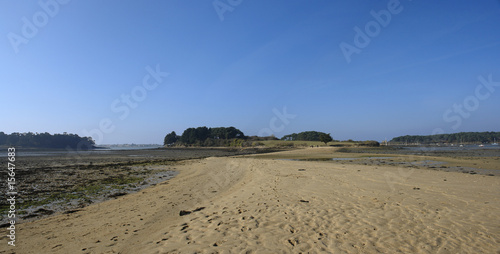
(255, 205)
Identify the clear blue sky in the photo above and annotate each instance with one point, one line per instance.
(239, 64)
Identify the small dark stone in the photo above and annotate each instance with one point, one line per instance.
(184, 212)
(198, 209)
(301, 169)
(304, 201)
(184, 226)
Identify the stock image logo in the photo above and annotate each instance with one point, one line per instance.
(32, 26)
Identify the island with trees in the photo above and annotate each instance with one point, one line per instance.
(233, 137)
(453, 138)
(204, 136)
(46, 140)
(306, 136)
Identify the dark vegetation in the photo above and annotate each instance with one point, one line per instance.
(203, 136)
(233, 137)
(230, 136)
(214, 137)
(369, 143)
(306, 136)
(46, 140)
(462, 137)
(325, 138)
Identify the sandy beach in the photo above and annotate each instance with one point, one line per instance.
(261, 204)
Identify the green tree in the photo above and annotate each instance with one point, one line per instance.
(189, 136)
(170, 138)
(3, 138)
(325, 138)
(202, 133)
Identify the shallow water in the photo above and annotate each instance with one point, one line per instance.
(428, 163)
(338, 159)
(449, 148)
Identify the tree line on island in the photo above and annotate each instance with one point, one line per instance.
(46, 140)
(203, 136)
(454, 138)
(231, 136)
(309, 136)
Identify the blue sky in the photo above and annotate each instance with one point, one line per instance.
(245, 62)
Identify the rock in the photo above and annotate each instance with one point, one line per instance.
(184, 212)
(198, 209)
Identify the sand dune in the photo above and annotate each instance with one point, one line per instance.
(250, 205)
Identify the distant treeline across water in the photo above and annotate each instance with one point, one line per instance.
(46, 140)
(461, 137)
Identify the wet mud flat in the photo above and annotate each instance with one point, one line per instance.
(453, 152)
(48, 182)
(423, 164)
(470, 161)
